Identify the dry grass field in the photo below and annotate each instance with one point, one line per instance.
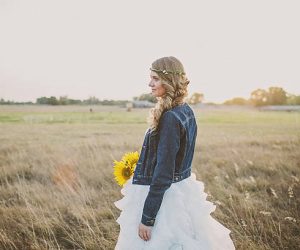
(57, 187)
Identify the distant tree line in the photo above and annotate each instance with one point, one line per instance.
(145, 97)
(8, 102)
(262, 97)
(258, 97)
(64, 100)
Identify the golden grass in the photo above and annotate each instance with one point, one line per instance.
(57, 187)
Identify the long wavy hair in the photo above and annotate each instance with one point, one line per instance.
(173, 78)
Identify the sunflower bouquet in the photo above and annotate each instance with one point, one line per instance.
(124, 169)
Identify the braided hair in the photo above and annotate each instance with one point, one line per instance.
(173, 78)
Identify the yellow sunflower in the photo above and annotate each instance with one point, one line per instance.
(131, 158)
(124, 169)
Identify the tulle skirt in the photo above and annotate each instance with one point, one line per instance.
(182, 222)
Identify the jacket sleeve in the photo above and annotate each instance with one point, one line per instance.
(168, 146)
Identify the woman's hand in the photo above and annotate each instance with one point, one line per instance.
(144, 232)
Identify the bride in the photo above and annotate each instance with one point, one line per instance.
(164, 206)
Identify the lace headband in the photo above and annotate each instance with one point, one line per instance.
(167, 72)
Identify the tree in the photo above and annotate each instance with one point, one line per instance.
(53, 100)
(74, 101)
(195, 98)
(146, 97)
(43, 100)
(92, 100)
(63, 100)
(277, 96)
(259, 97)
(293, 99)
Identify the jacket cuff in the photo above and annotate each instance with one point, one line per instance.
(147, 221)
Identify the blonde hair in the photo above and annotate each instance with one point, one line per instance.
(173, 78)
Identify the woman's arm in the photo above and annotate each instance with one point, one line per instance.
(168, 146)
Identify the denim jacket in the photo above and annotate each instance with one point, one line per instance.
(166, 157)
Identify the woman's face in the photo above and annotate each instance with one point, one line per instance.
(155, 83)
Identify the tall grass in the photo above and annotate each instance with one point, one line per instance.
(57, 189)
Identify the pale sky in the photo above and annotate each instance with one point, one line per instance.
(83, 48)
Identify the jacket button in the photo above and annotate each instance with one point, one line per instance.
(176, 178)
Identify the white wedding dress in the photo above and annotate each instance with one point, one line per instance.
(182, 222)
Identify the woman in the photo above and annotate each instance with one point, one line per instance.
(164, 206)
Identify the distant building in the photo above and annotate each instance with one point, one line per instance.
(142, 104)
(280, 108)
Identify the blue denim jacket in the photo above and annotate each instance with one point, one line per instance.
(166, 157)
